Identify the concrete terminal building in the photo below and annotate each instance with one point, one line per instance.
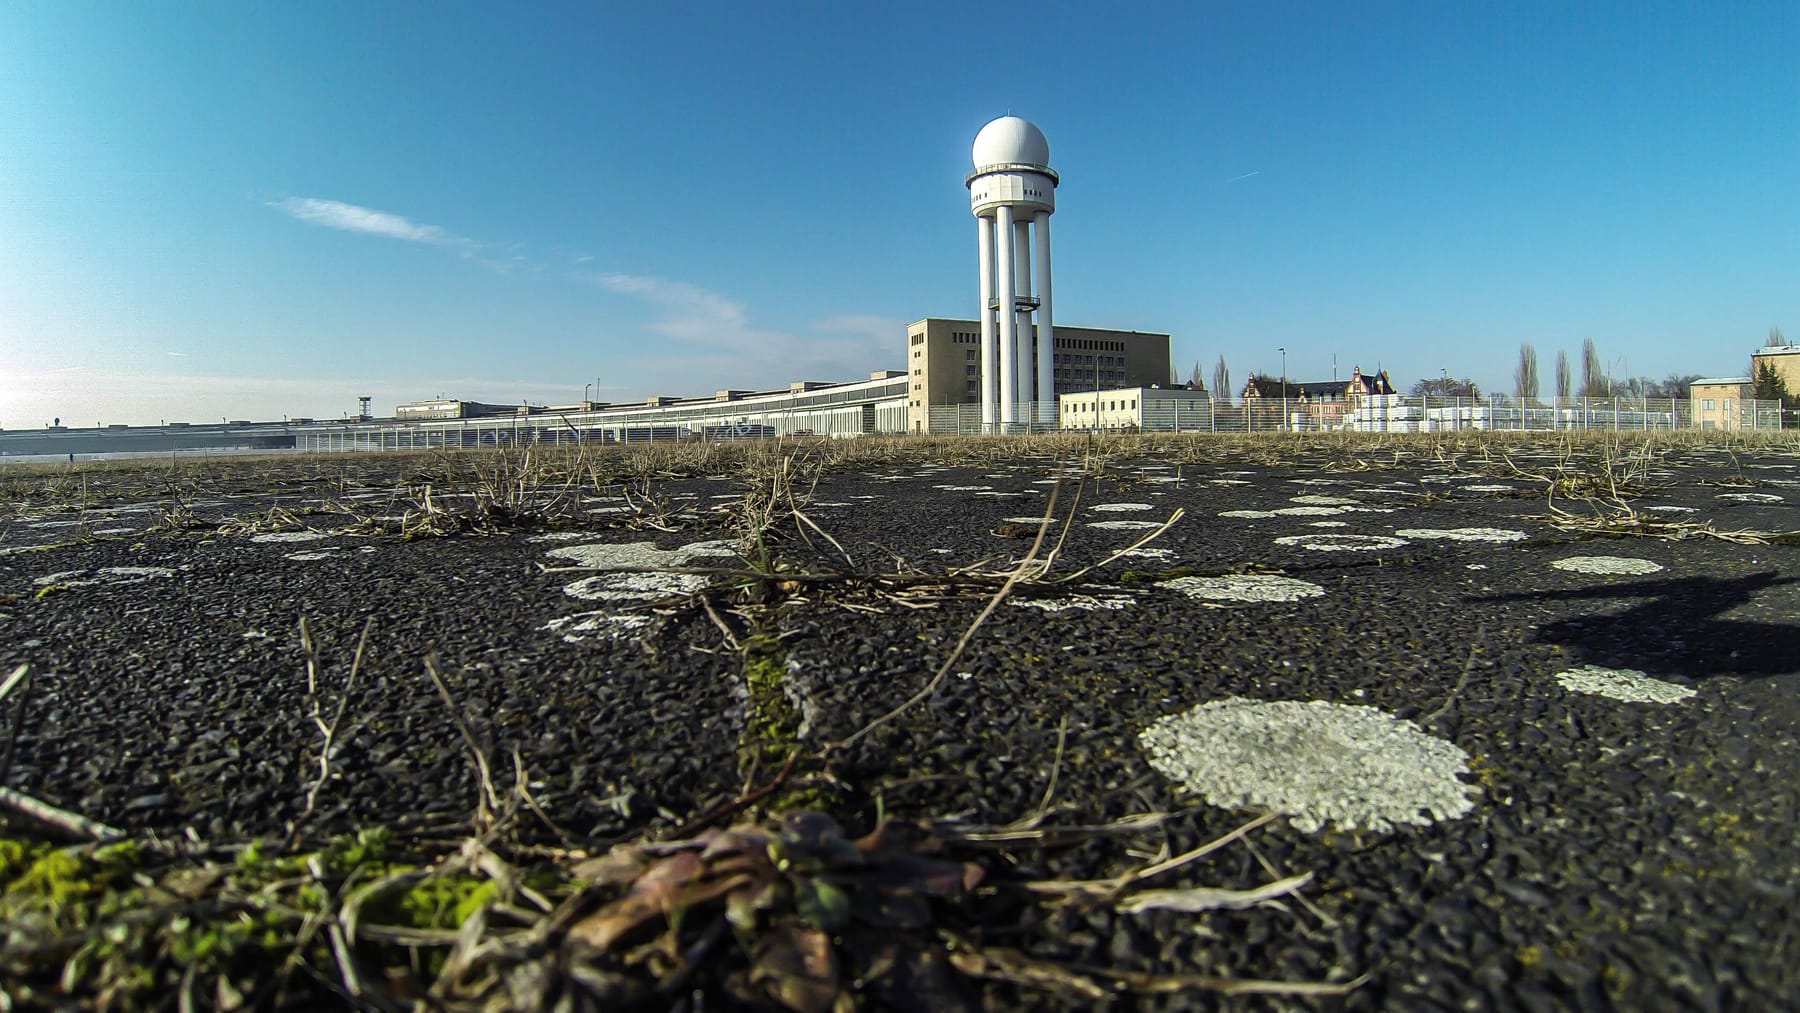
(945, 379)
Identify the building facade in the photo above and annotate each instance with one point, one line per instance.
(1144, 409)
(1786, 361)
(1718, 402)
(943, 367)
(1320, 403)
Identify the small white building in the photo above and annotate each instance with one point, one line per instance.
(1146, 409)
(1718, 402)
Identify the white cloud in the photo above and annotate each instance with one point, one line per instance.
(335, 214)
(724, 347)
(351, 218)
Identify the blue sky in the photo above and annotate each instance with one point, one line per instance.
(258, 210)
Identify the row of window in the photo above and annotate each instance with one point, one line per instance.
(1111, 406)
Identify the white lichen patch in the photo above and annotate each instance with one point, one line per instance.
(585, 626)
(310, 557)
(1107, 508)
(1244, 587)
(1327, 524)
(1227, 481)
(270, 537)
(1462, 534)
(1033, 521)
(964, 488)
(632, 587)
(1125, 525)
(1626, 684)
(1078, 603)
(104, 575)
(1489, 487)
(561, 536)
(1669, 508)
(1315, 499)
(1298, 511)
(1607, 565)
(1345, 764)
(1318, 481)
(1151, 552)
(1341, 543)
(1750, 497)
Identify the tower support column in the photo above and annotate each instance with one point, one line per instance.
(990, 348)
(1027, 389)
(1005, 286)
(1046, 333)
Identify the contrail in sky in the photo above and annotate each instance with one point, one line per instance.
(1247, 175)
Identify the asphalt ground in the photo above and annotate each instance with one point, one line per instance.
(1634, 855)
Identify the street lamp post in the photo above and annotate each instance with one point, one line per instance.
(585, 399)
(1284, 405)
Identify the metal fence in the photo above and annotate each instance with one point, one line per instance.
(1388, 414)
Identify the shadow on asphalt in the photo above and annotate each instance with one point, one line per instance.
(1676, 632)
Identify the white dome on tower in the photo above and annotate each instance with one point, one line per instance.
(1011, 140)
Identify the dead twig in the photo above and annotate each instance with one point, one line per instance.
(1462, 680)
(328, 730)
(62, 819)
(20, 676)
(487, 800)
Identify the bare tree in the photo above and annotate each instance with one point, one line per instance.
(1446, 386)
(1525, 378)
(1195, 380)
(1594, 381)
(1675, 385)
(1221, 386)
(1562, 375)
(1776, 338)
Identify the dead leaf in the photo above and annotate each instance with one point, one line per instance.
(619, 866)
(797, 968)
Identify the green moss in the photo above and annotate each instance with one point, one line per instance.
(49, 589)
(442, 902)
(772, 725)
(18, 856)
